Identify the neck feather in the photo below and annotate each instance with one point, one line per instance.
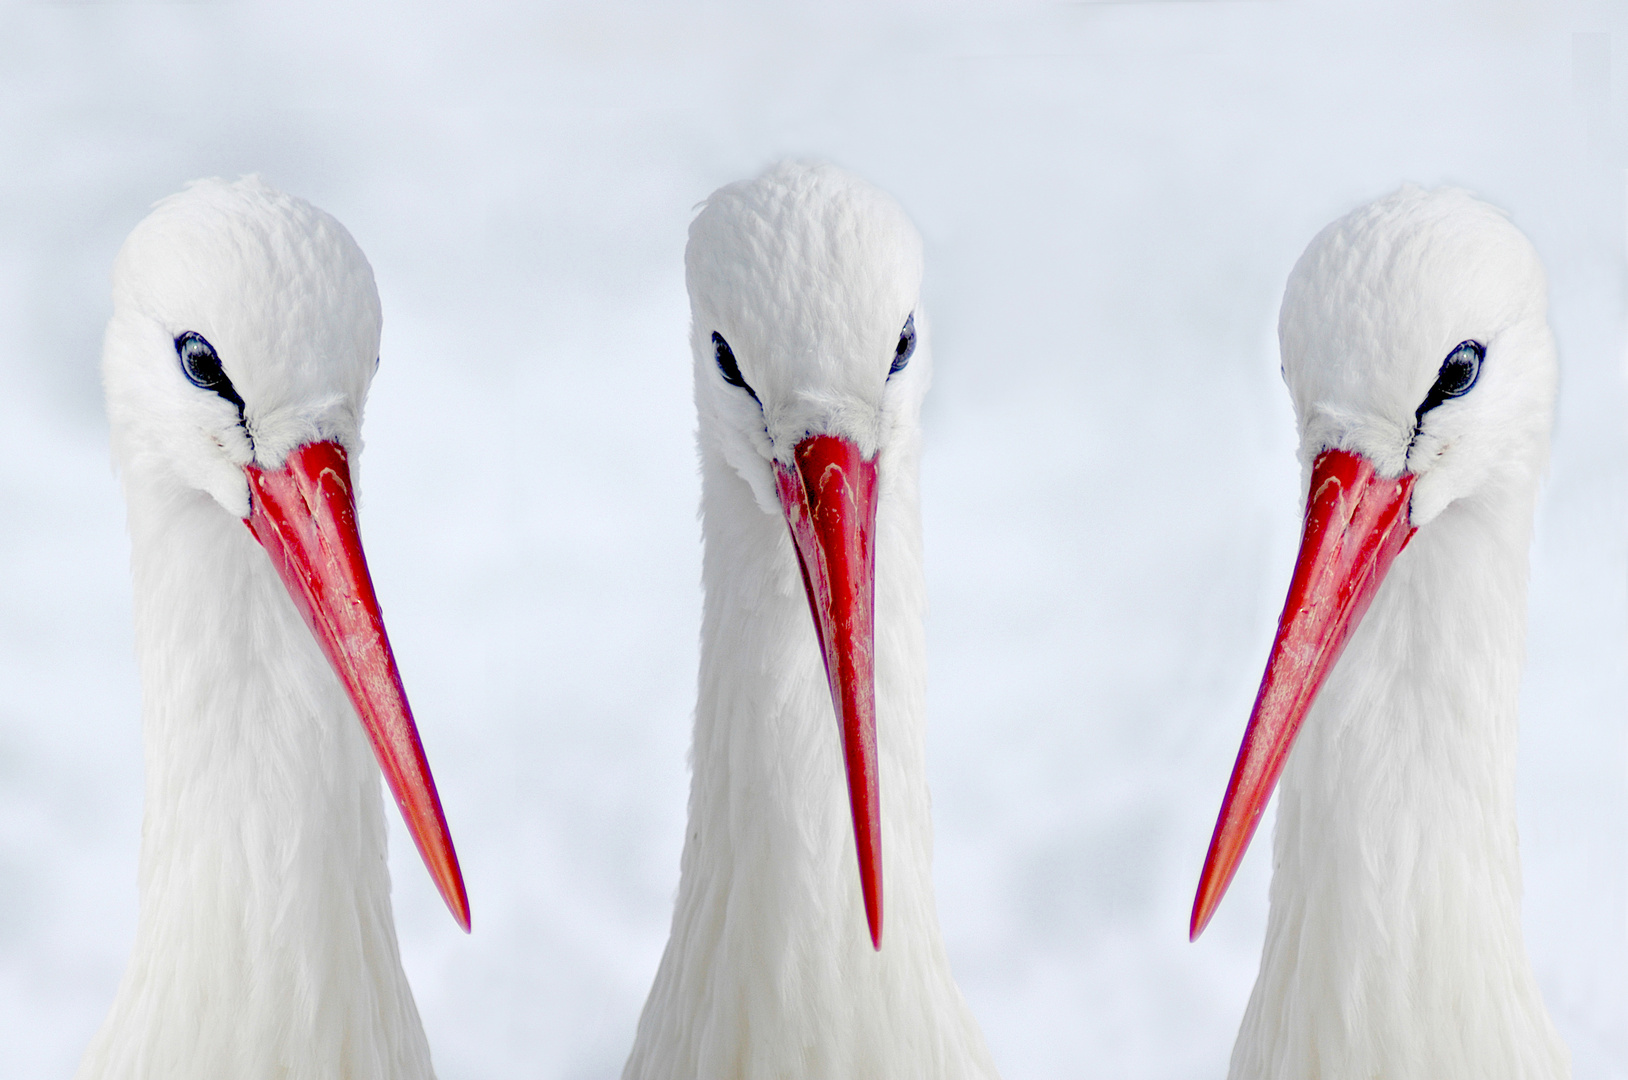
(769, 970)
(1394, 944)
(266, 944)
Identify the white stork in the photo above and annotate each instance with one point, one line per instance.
(244, 334)
(1417, 350)
(810, 366)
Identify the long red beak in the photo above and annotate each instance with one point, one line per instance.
(830, 502)
(1356, 525)
(305, 517)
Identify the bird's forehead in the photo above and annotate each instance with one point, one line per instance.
(278, 287)
(806, 271)
(1381, 296)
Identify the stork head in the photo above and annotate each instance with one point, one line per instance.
(1416, 347)
(244, 335)
(810, 363)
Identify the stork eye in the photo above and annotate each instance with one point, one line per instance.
(1457, 375)
(727, 367)
(906, 347)
(201, 365)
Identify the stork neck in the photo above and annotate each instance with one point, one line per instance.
(769, 970)
(1394, 943)
(265, 944)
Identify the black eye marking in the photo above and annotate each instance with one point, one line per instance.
(727, 367)
(201, 365)
(1458, 374)
(906, 348)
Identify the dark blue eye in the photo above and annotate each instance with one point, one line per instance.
(727, 367)
(201, 365)
(906, 347)
(1457, 375)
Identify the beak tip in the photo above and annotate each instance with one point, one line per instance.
(1200, 919)
(1219, 868)
(449, 881)
(458, 904)
(870, 881)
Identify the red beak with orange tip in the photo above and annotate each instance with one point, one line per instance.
(829, 498)
(305, 517)
(1356, 525)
